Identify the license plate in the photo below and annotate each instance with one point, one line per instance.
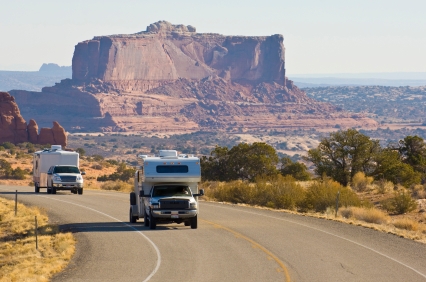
(175, 216)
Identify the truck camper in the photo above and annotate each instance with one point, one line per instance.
(166, 189)
(57, 169)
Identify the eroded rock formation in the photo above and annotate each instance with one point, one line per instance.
(14, 129)
(171, 78)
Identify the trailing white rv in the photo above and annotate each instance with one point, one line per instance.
(45, 162)
(166, 189)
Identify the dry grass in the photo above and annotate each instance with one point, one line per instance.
(407, 224)
(19, 258)
(369, 215)
(117, 186)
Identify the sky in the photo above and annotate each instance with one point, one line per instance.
(320, 37)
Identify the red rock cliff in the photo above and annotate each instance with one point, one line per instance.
(166, 52)
(14, 129)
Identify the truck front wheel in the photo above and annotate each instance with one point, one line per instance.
(80, 191)
(152, 222)
(37, 189)
(194, 222)
(145, 220)
(132, 218)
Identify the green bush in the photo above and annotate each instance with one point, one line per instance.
(321, 195)
(117, 186)
(18, 173)
(401, 203)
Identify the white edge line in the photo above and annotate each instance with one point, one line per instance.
(329, 233)
(143, 235)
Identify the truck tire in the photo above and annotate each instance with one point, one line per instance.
(49, 190)
(80, 191)
(152, 222)
(194, 222)
(145, 220)
(37, 189)
(132, 218)
(133, 198)
(53, 190)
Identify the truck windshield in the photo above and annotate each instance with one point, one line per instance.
(171, 190)
(66, 169)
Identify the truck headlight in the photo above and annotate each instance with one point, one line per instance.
(79, 177)
(193, 205)
(155, 205)
(56, 178)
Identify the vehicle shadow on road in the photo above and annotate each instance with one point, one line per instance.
(114, 227)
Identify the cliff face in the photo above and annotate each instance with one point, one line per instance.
(171, 78)
(14, 129)
(165, 53)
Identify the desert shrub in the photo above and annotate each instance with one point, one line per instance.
(81, 151)
(97, 158)
(117, 186)
(8, 145)
(5, 169)
(322, 194)
(360, 181)
(419, 191)
(407, 224)
(18, 173)
(97, 166)
(400, 203)
(370, 215)
(384, 186)
(113, 162)
(279, 192)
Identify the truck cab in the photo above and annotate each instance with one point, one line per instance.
(65, 177)
(166, 190)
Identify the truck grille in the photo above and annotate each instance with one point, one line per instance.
(68, 178)
(174, 204)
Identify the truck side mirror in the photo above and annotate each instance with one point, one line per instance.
(49, 173)
(141, 194)
(83, 173)
(199, 194)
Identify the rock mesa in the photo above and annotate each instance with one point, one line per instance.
(171, 78)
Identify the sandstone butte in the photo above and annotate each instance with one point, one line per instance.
(170, 78)
(14, 129)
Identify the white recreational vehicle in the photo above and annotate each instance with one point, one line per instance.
(166, 189)
(46, 159)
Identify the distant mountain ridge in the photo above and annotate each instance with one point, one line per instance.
(48, 74)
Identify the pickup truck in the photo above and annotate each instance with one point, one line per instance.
(65, 177)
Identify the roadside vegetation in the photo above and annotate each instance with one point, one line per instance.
(20, 260)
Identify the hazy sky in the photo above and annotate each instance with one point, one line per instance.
(320, 36)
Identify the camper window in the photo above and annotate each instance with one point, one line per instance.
(172, 169)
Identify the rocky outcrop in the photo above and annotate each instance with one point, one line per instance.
(166, 52)
(14, 129)
(171, 78)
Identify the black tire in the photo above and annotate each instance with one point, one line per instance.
(80, 191)
(132, 218)
(49, 190)
(152, 222)
(187, 223)
(145, 220)
(133, 198)
(194, 222)
(53, 190)
(37, 189)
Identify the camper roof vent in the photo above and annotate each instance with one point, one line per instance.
(168, 153)
(56, 147)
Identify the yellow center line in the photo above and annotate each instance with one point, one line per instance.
(254, 243)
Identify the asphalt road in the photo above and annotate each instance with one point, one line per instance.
(231, 244)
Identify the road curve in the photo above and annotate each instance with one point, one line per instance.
(231, 243)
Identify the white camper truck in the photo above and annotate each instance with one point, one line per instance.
(166, 189)
(44, 160)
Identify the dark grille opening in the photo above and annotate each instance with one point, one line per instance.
(68, 178)
(174, 204)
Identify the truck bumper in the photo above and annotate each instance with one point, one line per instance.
(168, 214)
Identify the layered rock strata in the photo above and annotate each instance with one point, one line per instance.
(14, 129)
(171, 78)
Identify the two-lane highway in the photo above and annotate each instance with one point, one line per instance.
(231, 243)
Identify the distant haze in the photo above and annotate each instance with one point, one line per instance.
(329, 36)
